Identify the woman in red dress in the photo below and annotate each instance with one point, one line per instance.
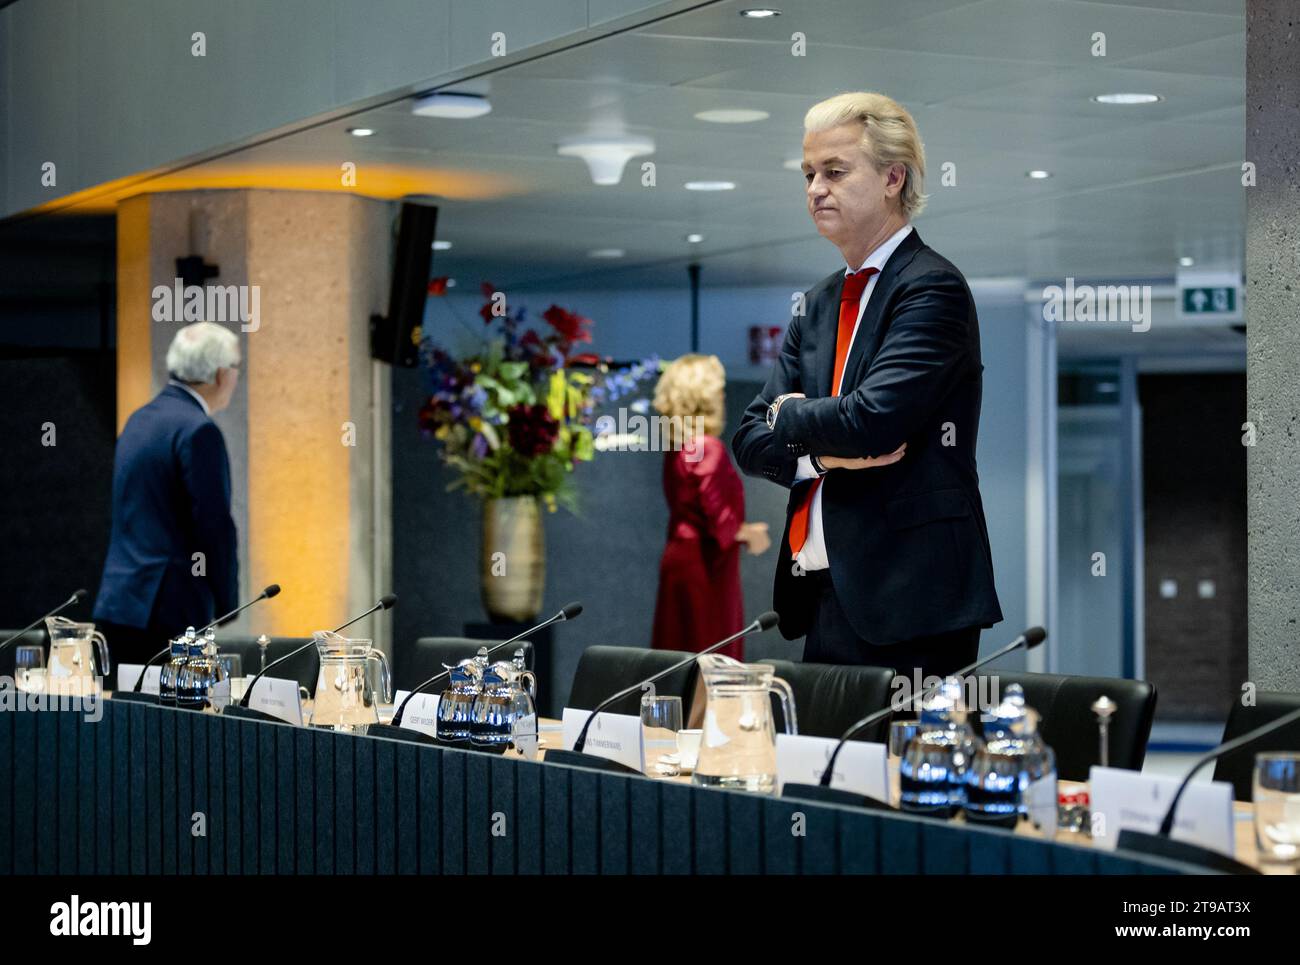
(699, 600)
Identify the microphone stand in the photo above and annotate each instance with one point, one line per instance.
(75, 598)
(1162, 844)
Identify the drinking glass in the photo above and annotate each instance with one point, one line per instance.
(28, 657)
(1276, 792)
(661, 719)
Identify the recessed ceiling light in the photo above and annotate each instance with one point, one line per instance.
(606, 253)
(456, 106)
(1038, 175)
(710, 185)
(694, 238)
(1186, 262)
(760, 13)
(732, 115)
(360, 131)
(1127, 98)
(606, 156)
(441, 245)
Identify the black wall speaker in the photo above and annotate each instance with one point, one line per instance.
(390, 335)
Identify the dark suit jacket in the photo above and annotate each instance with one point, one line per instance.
(171, 499)
(907, 544)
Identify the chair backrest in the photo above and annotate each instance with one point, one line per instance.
(302, 668)
(829, 699)
(430, 655)
(1238, 769)
(603, 671)
(1069, 726)
(37, 637)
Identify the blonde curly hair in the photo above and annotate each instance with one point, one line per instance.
(691, 392)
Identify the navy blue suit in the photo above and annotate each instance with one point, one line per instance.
(171, 500)
(907, 543)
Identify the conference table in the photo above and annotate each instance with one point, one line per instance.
(146, 789)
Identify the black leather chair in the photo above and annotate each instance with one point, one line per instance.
(1069, 726)
(430, 655)
(603, 671)
(1238, 769)
(302, 668)
(829, 699)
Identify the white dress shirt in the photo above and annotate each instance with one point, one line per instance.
(813, 554)
(204, 402)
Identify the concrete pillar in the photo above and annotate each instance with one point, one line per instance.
(308, 429)
(1273, 341)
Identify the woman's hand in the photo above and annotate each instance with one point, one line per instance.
(754, 536)
(865, 462)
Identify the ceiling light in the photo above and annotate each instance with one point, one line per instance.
(606, 253)
(606, 156)
(1038, 175)
(455, 106)
(360, 131)
(732, 115)
(1127, 98)
(1186, 262)
(710, 185)
(760, 13)
(441, 245)
(694, 239)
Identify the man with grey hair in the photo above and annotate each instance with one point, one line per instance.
(870, 417)
(172, 555)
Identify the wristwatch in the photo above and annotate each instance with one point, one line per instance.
(817, 464)
(772, 409)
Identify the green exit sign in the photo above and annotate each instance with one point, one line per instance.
(1219, 300)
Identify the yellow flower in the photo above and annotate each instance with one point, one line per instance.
(476, 423)
(441, 432)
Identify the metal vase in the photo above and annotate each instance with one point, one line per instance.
(512, 569)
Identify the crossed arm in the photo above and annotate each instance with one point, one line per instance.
(923, 353)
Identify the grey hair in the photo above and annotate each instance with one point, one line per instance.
(200, 349)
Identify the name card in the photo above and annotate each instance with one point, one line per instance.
(615, 737)
(279, 698)
(862, 767)
(129, 673)
(1127, 799)
(421, 713)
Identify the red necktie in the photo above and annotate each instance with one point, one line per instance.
(854, 285)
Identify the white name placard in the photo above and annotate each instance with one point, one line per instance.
(279, 698)
(129, 673)
(615, 737)
(1128, 799)
(420, 714)
(862, 767)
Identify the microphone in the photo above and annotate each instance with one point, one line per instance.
(1161, 843)
(567, 612)
(386, 602)
(763, 622)
(1028, 640)
(77, 597)
(266, 594)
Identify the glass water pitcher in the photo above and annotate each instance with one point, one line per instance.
(345, 697)
(74, 648)
(738, 746)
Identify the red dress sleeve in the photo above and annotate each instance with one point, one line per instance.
(721, 493)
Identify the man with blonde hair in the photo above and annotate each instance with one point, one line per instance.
(172, 559)
(870, 417)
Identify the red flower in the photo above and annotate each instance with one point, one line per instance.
(531, 430)
(570, 326)
(489, 290)
(438, 286)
